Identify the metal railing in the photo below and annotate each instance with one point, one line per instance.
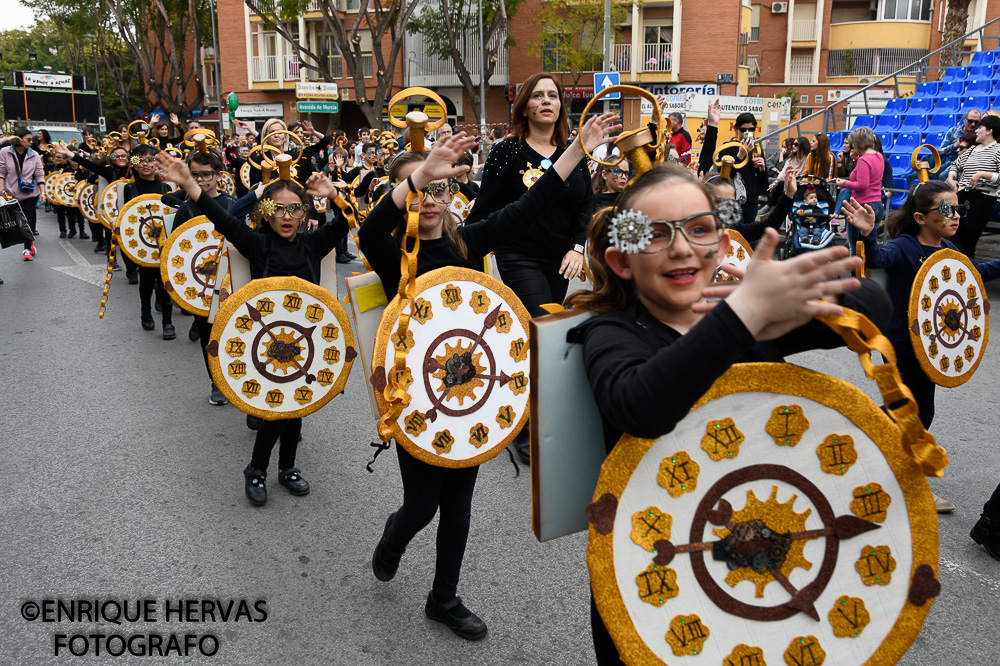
(657, 57)
(622, 57)
(801, 69)
(872, 61)
(265, 68)
(291, 67)
(916, 72)
(803, 30)
(755, 33)
(426, 69)
(754, 64)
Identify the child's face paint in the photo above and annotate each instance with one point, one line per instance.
(669, 282)
(544, 104)
(936, 225)
(285, 225)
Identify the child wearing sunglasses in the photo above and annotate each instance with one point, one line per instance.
(443, 242)
(653, 257)
(280, 246)
(925, 224)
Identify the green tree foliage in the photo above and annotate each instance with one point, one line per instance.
(571, 39)
(451, 29)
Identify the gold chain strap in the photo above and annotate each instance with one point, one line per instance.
(107, 280)
(863, 338)
(394, 392)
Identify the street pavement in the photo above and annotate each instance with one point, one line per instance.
(124, 484)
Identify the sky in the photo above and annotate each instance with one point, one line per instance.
(17, 15)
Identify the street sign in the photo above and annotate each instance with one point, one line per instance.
(433, 110)
(604, 80)
(316, 90)
(725, 78)
(102, 124)
(319, 107)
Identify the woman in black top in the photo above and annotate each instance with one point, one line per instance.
(539, 264)
(443, 242)
(279, 247)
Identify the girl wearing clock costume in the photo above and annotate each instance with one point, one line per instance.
(427, 488)
(654, 321)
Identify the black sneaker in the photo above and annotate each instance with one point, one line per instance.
(101, 247)
(343, 259)
(385, 559)
(193, 334)
(457, 617)
(83, 235)
(117, 267)
(168, 332)
(71, 234)
(147, 322)
(987, 534)
(216, 398)
(62, 234)
(292, 479)
(254, 422)
(255, 487)
(133, 278)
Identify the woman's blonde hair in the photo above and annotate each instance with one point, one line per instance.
(612, 293)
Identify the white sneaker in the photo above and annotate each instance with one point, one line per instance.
(27, 255)
(942, 505)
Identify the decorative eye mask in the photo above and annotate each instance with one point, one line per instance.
(630, 231)
(948, 209)
(729, 212)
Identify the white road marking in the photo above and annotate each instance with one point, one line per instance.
(964, 572)
(82, 270)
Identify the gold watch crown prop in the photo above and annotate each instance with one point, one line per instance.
(922, 167)
(645, 147)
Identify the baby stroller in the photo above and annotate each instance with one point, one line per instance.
(809, 227)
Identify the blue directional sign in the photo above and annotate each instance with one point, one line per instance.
(604, 80)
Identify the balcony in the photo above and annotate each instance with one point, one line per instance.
(656, 57)
(425, 69)
(870, 62)
(801, 67)
(804, 30)
(291, 70)
(754, 66)
(880, 34)
(265, 68)
(622, 57)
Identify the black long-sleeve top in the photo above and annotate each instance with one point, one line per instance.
(566, 221)
(187, 209)
(108, 172)
(646, 376)
(269, 254)
(382, 249)
(752, 231)
(754, 179)
(141, 186)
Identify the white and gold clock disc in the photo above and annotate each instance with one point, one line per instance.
(227, 184)
(189, 262)
(321, 204)
(63, 189)
(467, 367)
(108, 204)
(949, 318)
(739, 254)
(142, 227)
(245, 175)
(281, 348)
(86, 198)
(460, 206)
(780, 521)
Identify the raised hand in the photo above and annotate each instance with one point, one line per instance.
(714, 113)
(441, 163)
(318, 185)
(777, 296)
(598, 130)
(176, 171)
(174, 119)
(790, 185)
(60, 149)
(861, 217)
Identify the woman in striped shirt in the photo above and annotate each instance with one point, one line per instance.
(976, 176)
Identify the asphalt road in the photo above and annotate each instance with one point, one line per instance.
(123, 483)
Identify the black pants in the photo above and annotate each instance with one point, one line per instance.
(971, 227)
(287, 430)
(916, 379)
(96, 231)
(604, 646)
(150, 281)
(992, 507)
(426, 488)
(30, 214)
(535, 281)
(204, 337)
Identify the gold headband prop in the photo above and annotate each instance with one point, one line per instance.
(173, 151)
(727, 163)
(141, 131)
(284, 166)
(374, 134)
(417, 121)
(200, 138)
(266, 164)
(645, 146)
(922, 167)
(341, 141)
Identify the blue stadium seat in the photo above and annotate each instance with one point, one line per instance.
(864, 121)
(979, 87)
(934, 138)
(905, 143)
(887, 139)
(948, 105)
(888, 122)
(914, 122)
(956, 74)
(898, 199)
(984, 58)
(896, 105)
(951, 88)
(924, 154)
(930, 88)
(981, 103)
(921, 105)
(836, 141)
(982, 72)
(942, 122)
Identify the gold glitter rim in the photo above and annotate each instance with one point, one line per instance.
(387, 326)
(106, 221)
(780, 379)
(245, 175)
(90, 213)
(128, 209)
(240, 298)
(916, 291)
(165, 264)
(738, 238)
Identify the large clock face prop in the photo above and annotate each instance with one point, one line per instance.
(780, 521)
(949, 318)
(281, 348)
(107, 203)
(86, 200)
(189, 263)
(466, 367)
(142, 227)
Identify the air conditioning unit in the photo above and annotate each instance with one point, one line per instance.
(779, 7)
